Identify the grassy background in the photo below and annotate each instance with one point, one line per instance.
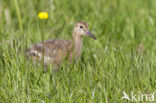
(122, 58)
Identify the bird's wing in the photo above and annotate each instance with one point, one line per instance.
(63, 45)
(52, 50)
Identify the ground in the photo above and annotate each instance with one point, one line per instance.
(123, 58)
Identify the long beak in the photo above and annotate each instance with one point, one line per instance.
(89, 34)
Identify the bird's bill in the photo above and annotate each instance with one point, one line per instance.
(89, 34)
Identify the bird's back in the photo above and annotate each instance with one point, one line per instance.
(52, 50)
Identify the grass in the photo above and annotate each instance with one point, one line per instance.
(123, 58)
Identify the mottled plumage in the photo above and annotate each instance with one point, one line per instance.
(53, 51)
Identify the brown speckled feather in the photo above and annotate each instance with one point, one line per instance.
(53, 50)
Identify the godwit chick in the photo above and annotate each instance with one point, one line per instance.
(53, 51)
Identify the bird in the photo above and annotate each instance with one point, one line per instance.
(55, 50)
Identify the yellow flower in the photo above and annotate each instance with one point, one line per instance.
(43, 15)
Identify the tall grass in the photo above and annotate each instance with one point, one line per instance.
(123, 58)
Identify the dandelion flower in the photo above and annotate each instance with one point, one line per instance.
(43, 15)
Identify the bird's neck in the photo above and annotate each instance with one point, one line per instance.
(77, 45)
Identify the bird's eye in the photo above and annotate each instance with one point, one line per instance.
(81, 27)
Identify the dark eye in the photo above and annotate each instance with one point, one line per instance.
(81, 27)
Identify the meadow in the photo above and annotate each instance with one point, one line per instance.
(123, 58)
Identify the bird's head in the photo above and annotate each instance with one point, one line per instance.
(81, 29)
